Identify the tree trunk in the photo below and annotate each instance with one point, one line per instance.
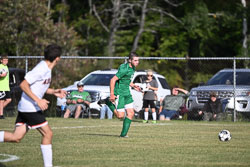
(141, 29)
(113, 28)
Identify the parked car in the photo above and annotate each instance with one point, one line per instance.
(222, 83)
(16, 76)
(99, 81)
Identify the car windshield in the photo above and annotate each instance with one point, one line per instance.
(98, 79)
(226, 78)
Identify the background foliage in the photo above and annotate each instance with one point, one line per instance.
(170, 28)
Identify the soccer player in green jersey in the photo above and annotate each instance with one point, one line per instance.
(120, 94)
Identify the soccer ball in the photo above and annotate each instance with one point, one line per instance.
(2, 71)
(144, 87)
(224, 135)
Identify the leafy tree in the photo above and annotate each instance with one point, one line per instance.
(26, 29)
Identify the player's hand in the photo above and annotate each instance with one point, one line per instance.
(3, 74)
(80, 101)
(60, 93)
(43, 104)
(137, 88)
(112, 98)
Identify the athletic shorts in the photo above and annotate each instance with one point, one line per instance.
(148, 103)
(4, 95)
(32, 119)
(72, 108)
(124, 102)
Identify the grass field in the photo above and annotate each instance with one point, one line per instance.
(94, 142)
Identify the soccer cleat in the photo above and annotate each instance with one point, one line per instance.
(124, 136)
(154, 122)
(1, 117)
(145, 121)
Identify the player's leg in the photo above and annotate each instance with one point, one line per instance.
(46, 145)
(112, 107)
(6, 102)
(145, 106)
(128, 101)
(7, 99)
(152, 106)
(15, 136)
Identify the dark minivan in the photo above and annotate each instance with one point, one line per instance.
(16, 77)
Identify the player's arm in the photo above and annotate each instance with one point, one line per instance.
(153, 88)
(42, 103)
(182, 90)
(136, 87)
(112, 88)
(56, 92)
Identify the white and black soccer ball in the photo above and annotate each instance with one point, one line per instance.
(2, 71)
(144, 87)
(224, 135)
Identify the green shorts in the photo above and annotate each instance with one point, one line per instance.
(121, 103)
(124, 102)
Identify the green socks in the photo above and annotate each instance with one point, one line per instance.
(125, 128)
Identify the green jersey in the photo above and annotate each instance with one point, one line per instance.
(4, 81)
(74, 95)
(124, 74)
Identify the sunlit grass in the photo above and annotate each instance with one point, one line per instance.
(94, 142)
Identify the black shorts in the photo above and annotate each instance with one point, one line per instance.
(4, 95)
(32, 119)
(148, 103)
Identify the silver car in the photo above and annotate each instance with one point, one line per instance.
(222, 83)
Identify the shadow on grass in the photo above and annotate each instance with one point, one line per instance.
(95, 134)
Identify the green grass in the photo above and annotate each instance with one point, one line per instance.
(94, 142)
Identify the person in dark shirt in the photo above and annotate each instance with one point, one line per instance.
(212, 109)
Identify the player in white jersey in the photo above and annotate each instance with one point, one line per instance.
(31, 105)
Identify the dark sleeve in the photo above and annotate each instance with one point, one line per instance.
(219, 107)
(206, 107)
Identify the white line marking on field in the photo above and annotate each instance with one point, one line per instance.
(10, 158)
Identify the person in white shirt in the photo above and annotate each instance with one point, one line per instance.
(31, 105)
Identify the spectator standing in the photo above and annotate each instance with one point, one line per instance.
(171, 104)
(4, 85)
(212, 109)
(31, 105)
(120, 93)
(149, 97)
(105, 109)
(77, 101)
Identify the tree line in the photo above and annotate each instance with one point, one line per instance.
(160, 28)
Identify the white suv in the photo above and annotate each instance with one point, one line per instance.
(99, 81)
